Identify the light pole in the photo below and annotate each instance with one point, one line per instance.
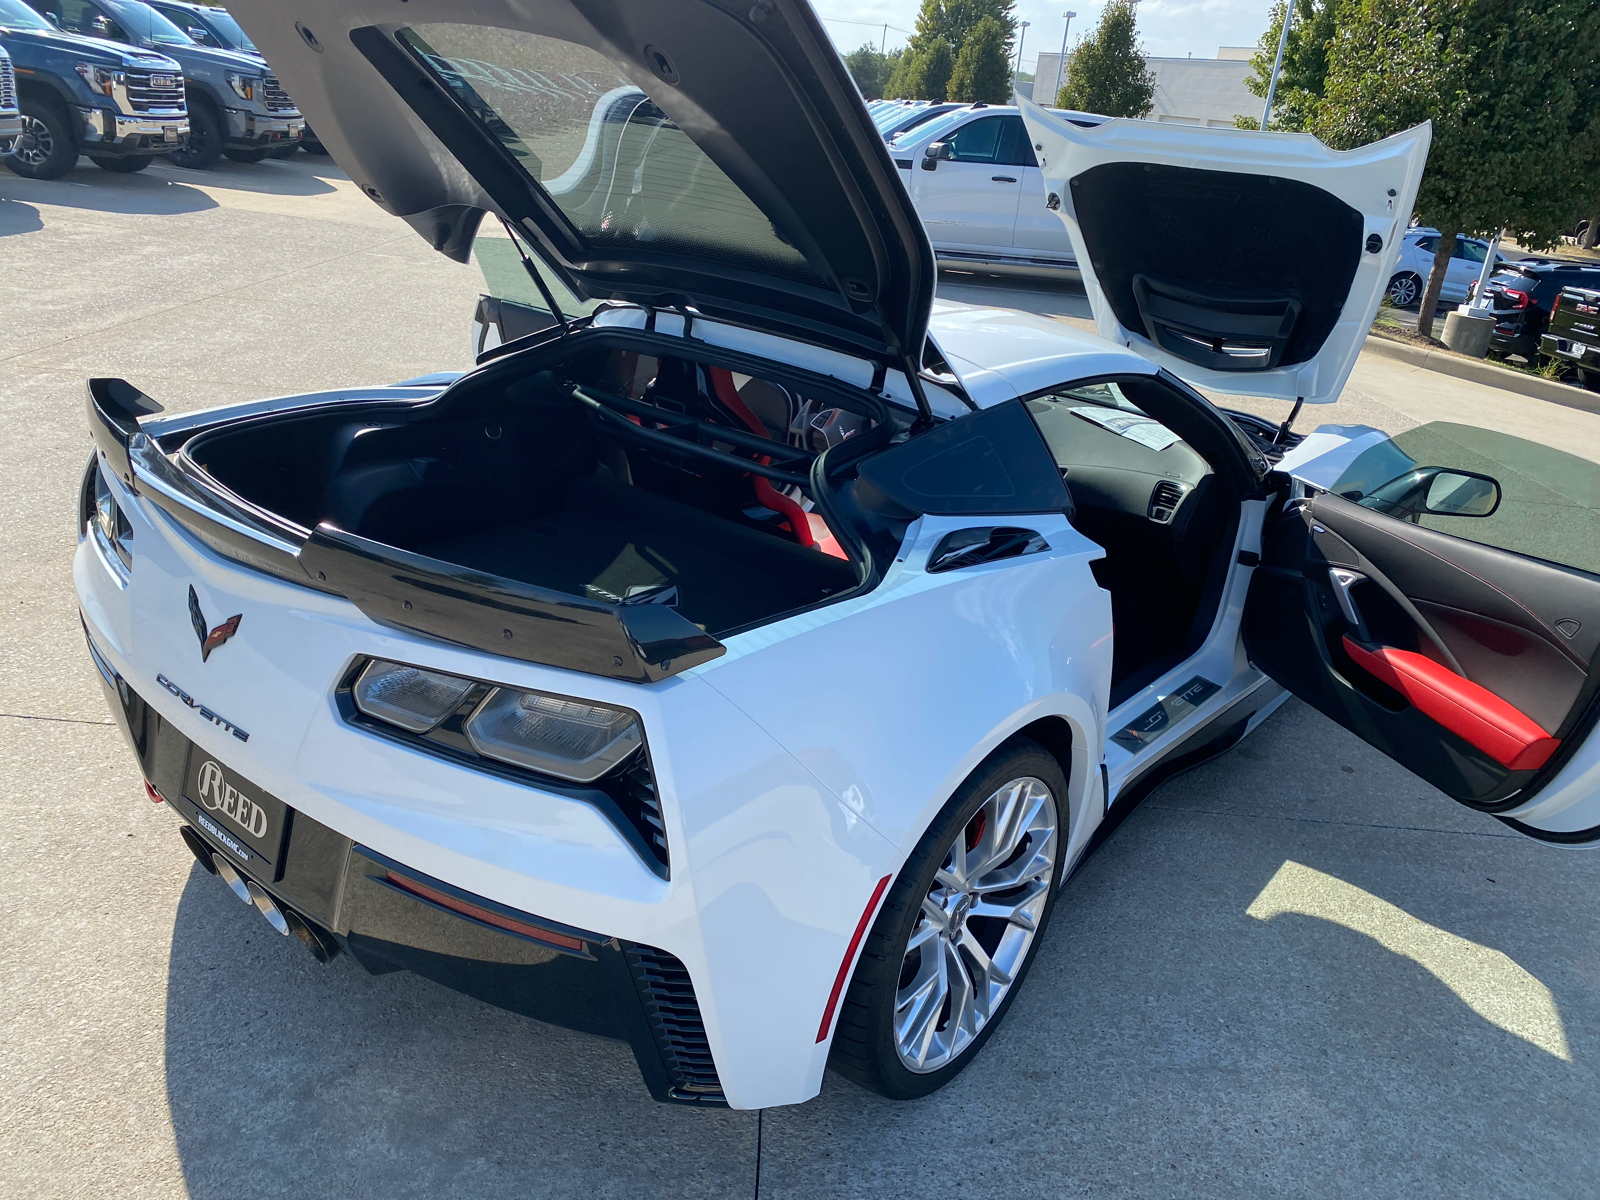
(1017, 74)
(1061, 66)
(1277, 63)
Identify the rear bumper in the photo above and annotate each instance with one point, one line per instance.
(108, 134)
(389, 916)
(1580, 352)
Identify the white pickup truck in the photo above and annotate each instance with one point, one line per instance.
(976, 183)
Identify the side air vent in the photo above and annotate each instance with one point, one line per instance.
(674, 1014)
(1164, 501)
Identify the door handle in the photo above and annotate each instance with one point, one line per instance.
(1343, 580)
(1004, 178)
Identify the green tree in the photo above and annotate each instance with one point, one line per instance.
(982, 71)
(943, 28)
(870, 69)
(1513, 90)
(1304, 75)
(921, 74)
(1106, 72)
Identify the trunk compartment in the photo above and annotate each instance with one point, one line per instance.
(506, 490)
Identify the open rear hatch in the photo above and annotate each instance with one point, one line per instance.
(677, 152)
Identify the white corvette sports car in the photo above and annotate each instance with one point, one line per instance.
(738, 669)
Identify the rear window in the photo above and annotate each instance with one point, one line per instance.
(619, 169)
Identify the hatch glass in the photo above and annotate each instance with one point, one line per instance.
(621, 171)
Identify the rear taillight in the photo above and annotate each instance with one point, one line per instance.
(1519, 300)
(1555, 308)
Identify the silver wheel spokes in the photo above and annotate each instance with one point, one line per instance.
(977, 924)
(35, 144)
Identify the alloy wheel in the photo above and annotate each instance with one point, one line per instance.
(35, 145)
(977, 924)
(1403, 290)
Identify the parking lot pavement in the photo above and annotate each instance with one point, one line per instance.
(1296, 970)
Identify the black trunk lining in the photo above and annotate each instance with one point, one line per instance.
(614, 537)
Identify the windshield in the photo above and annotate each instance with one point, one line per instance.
(226, 30)
(936, 127)
(618, 168)
(143, 24)
(887, 116)
(14, 14)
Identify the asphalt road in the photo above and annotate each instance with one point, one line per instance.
(1294, 971)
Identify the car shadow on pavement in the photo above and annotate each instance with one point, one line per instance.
(298, 176)
(16, 217)
(287, 1077)
(91, 189)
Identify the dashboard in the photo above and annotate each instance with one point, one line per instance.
(1118, 459)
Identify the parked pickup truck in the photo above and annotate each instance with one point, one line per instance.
(235, 107)
(980, 193)
(1574, 333)
(10, 115)
(120, 105)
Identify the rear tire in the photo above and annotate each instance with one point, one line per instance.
(940, 968)
(247, 156)
(1405, 290)
(1589, 379)
(204, 147)
(46, 149)
(123, 166)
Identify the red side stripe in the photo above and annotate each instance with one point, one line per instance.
(850, 957)
(1502, 731)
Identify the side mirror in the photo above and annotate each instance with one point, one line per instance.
(199, 35)
(934, 152)
(1436, 492)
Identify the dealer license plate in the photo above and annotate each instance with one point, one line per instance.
(237, 815)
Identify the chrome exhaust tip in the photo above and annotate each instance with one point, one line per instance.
(252, 893)
(322, 944)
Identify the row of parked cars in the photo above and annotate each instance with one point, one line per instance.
(124, 81)
(974, 178)
(1525, 296)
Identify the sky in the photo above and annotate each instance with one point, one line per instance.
(1170, 28)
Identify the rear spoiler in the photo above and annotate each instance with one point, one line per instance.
(641, 643)
(638, 642)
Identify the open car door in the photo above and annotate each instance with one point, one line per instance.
(1472, 666)
(1241, 261)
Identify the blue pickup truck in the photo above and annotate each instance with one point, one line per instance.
(236, 106)
(120, 105)
(213, 25)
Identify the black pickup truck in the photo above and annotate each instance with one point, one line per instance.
(1574, 333)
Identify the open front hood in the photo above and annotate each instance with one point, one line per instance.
(713, 153)
(1241, 261)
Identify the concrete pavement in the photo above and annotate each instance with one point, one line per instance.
(1294, 971)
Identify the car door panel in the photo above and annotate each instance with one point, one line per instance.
(1470, 665)
(966, 201)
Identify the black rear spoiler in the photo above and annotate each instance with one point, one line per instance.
(637, 642)
(115, 407)
(640, 643)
